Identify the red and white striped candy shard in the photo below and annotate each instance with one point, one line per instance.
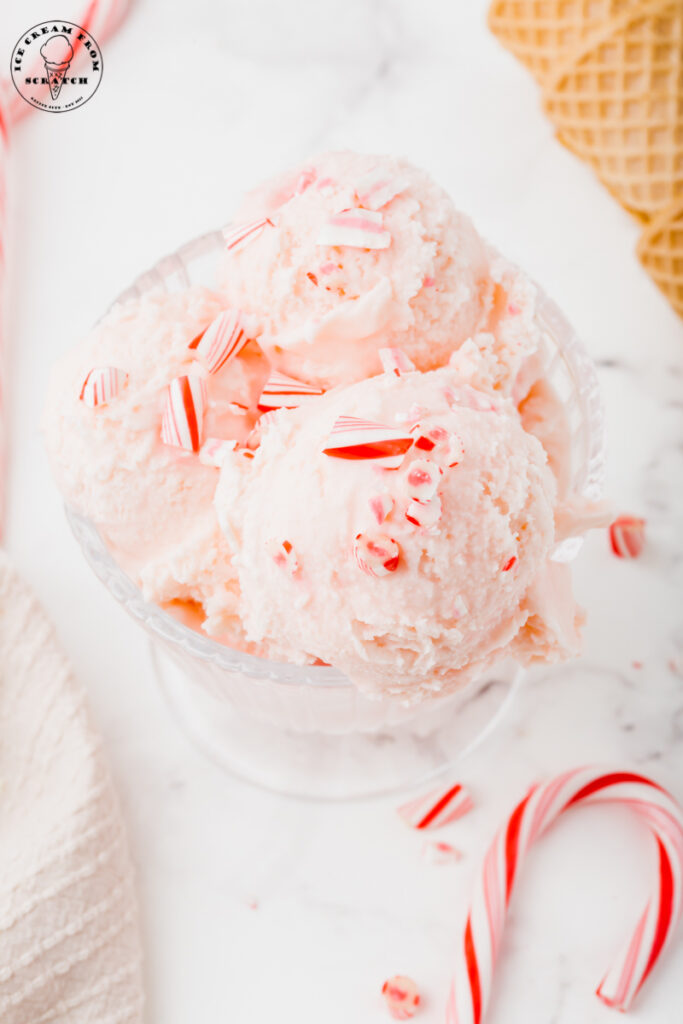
(510, 564)
(353, 438)
(182, 422)
(222, 340)
(542, 806)
(437, 852)
(394, 360)
(427, 440)
(240, 236)
(425, 513)
(376, 555)
(470, 398)
(102, 384)
(281, 392)
(421, 479)
(362, 229)
(214, 451)
(402, 997)
(381, 506)
(306, 179)
(437, 808)
(283, 554)
(375, 191)
(627, 536)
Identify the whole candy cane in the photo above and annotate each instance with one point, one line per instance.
(540, 808)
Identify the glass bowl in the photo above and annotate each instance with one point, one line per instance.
(307, 731)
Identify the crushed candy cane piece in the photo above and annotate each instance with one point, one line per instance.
(328, 268)
(376, 556)
(510, 564)
(312, 278)
(374, 191)
(402, 997)
(222, 340)
(354, 438)
(238, 237)
(437, 808)
(362, 229)
(514, 309)
(470, 398)
(182, 421)
(455, 450)
(102, 384)
(435, 851)
(283, 555)
(237, 409)
(394, 360)
(428, 440)
(421, 479)
(428, 282)
(282, 392)
(214, 451)
(306, 179)
(381, 506)
(424, 513)
(627, 536)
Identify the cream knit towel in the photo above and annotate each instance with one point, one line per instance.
(69, 940)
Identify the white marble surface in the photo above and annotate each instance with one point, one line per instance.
(160, 155)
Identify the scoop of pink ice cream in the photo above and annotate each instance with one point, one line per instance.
(360, 252)
(410, 579)
(152, 502)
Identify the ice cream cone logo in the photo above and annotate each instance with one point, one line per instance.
(57, 53)
(56, 66)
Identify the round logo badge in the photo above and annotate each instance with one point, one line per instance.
(56, 66)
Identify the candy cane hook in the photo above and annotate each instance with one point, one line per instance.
(537, 811)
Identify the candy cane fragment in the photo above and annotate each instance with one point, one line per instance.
(101, 385)
(381, 506)
(182, 422)
(223, 339)
(543, 804)
(354, 438)
(377, 555)
(282, 392)
(375, 191)
(437, 808)
(240, 236)
(214, 451)
(421, 479)
(362, 229)
(436, 852)
(402, 997)
(284, 556)
(394, 360)
(627, 536)
(425, 513)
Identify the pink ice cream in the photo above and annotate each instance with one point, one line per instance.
(328, 293)
(413, 579)
(413, 570)
(152, 502)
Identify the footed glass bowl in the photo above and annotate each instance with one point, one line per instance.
(307, 731)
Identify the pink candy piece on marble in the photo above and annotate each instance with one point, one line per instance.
(402, 997)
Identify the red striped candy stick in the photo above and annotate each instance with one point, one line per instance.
(241, 235)
(223, 339)
(543, 804)
(354, 438)
(102, 384)
(100, 18)
(282, 392)
(437, 808)
(182, 422)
